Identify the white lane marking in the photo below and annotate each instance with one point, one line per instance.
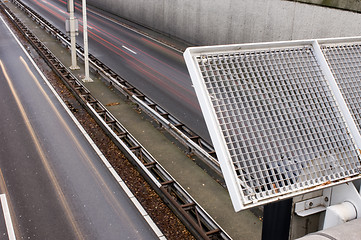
(130, 50)
(134, 30)
(58, 9)
(8, 222)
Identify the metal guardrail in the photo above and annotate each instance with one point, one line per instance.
(187, 209)
(195, 144)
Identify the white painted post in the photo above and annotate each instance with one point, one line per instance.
(74, 65)
(86, 53)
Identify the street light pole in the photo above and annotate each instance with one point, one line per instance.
(74, 64)
(86, 53)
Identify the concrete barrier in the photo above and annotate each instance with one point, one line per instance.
(208, 22)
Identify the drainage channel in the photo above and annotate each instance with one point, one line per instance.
(191, 214)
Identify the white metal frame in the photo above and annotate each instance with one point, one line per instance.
(232, 181)
(341, 194)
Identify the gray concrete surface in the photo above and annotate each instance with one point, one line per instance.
(208, 22)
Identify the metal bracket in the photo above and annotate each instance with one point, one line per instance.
(345, 205)
(313, 205)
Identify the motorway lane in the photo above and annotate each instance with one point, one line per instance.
(57, 187)
(155, 69)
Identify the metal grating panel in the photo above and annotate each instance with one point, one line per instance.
(345, 63)
(276, 125)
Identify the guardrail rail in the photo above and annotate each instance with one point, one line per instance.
(193, 142)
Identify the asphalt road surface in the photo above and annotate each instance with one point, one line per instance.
(157, 70)
(55, 184)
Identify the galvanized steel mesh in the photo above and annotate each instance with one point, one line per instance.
(345, 63)
(279, 119)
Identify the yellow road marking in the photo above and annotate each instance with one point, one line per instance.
(42, 155)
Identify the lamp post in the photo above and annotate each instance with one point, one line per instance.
(85, 36)
(74, 65)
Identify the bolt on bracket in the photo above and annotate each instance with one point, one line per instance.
(313, 205)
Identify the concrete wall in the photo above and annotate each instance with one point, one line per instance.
(352, 5)
(207, 22)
